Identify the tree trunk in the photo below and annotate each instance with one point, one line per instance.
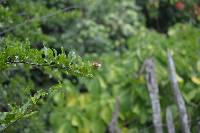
(153, 89)
(178, 97)
(169, 120)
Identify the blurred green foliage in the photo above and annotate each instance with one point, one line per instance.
(118, 35)
(118, 78)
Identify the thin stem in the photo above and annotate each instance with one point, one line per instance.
(38, 65)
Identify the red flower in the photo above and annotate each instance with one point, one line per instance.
(180, 5)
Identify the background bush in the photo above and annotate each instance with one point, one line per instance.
(120, 34)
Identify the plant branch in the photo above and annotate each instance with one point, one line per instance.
(38, 65)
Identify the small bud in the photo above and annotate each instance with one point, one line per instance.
(96, 64)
